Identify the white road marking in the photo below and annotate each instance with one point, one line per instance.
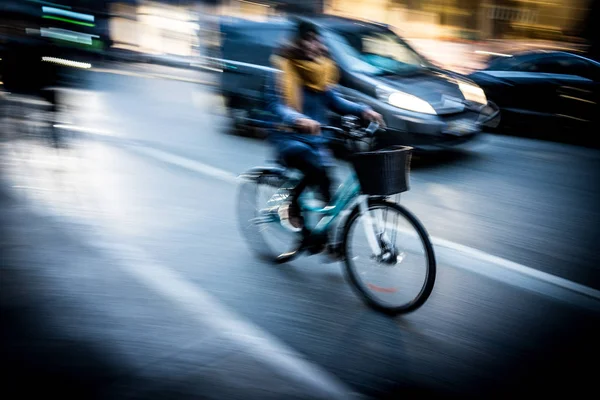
(519, 268)
(31, 188)
(83, 129)
(208, 310)
(186, 163)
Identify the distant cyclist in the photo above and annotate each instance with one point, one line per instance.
(301, 96)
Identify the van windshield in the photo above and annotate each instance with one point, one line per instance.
(377, 52)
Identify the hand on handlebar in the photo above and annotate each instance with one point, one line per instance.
(308, 126)
(373, 116)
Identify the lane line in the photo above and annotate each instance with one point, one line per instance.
(210, 311)
(516, 267)
(226, 176)
(186, 163)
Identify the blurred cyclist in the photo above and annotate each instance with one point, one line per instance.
(301, 96)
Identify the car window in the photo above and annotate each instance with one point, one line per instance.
(557, 65)
(252, 46)
(584, 69)
(500, 63)
(381, 50)
(347, 55)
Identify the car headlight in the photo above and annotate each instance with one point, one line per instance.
(404, 100)
(472, 93)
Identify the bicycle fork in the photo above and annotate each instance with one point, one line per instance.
(371, 226)
(375, 231)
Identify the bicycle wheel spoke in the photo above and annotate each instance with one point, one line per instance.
(258, 204)
(394, 231)
(393, 280)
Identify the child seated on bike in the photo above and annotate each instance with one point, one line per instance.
(300, 96)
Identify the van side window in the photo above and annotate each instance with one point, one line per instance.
(253, 46)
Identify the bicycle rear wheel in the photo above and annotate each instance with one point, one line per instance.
(399, 274)
(258, 202)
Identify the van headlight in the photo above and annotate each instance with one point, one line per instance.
(404, 100)
(472, 93)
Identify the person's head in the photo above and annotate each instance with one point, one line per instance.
(308, 39)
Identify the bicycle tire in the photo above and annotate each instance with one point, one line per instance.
(248, 189)
(351, 272)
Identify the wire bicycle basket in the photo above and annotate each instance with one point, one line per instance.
(383, 172)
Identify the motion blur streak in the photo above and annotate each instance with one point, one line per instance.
(70, 21)
(58, 11)
(65, 34)
(67, 63)
(491, 53)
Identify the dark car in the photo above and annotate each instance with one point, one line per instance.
(423, 106)
(543, 89)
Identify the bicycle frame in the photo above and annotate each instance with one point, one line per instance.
(344, 197)
(347, 193)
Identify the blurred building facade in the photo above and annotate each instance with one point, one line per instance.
(178, 26)
(472, 19)
(443, 19)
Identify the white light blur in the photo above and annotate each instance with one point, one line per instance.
(410, 103)
(255, 4)
(83, 129)
(67, 63)
(472, 93)
(65, 34)
(58, 11)
(171, 23)
(491, 53)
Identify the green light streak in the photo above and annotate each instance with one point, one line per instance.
(68, 20)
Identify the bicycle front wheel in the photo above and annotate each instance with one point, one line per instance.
(389, 257)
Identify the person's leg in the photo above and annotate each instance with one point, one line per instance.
(323, 183)
(293, 154)
(308, 161)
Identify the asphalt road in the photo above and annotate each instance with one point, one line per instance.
(124, 274)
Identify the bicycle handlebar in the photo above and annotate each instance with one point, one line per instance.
(355, 134)
(348, 133)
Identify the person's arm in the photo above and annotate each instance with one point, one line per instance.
(275, 105)
(342, 106)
